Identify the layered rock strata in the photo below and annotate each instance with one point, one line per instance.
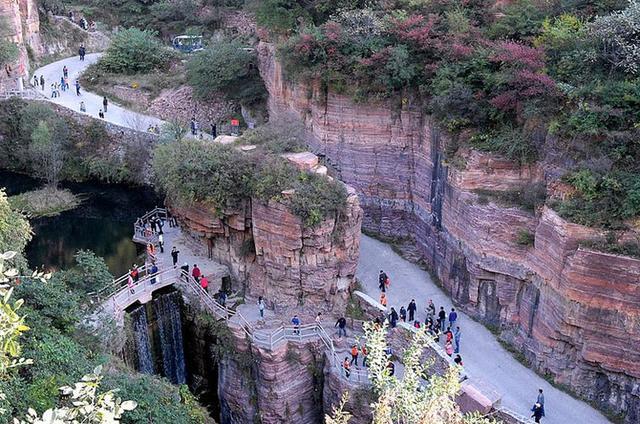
(573, 312)
(273, 254)
(23, 28)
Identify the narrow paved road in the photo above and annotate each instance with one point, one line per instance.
(484, 358)
(115, 114)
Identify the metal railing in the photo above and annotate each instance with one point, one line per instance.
(119, 292)
(142, 232)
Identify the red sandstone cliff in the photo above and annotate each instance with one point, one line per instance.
(23, 28)
(574, 312)
(274, 255)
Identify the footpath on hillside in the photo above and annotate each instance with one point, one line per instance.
(484, 357)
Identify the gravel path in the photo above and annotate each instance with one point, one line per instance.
(484, 358)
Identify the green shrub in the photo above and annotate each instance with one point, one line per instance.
(135, 51)
(511, 142)
(226, 68)
(525, 238)
(317, 198)
(279, 15)
(277, 136)
(215, 174)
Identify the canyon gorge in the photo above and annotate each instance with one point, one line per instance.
(573, 312)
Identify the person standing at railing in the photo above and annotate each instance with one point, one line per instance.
(296, 324)
(135, 273)
(153, 271)
(261, 306)
(185, 271)
(342, 327)
(130, 282)
(319, 318)
(347, 367)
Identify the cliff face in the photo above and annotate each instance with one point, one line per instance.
(274, 255)
(573, 312)
(279, 386)
(23, 28)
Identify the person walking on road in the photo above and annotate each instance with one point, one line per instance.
(442, 316)
(161, 242)
(83, 108)
(105, 103)
(453, 317)
(538, 412)
(382, 281)
(174, 256)
(35, 81)
(81, 52)
(42, 82)
(412, 309)
(342, 327)
(456, 337)
(63, 86)
(540, 400)
(77, 84)
(261, 306)
(403, 314)
(65, 72)
(100, 114)
(393, 317)
(431, 309)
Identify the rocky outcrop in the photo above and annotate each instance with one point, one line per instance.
(61, 38)
(23, 28)
(283, 385)
(273, 254)
(575, 313)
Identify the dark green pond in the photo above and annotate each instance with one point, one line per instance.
(103, 224)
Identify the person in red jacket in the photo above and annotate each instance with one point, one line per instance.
(204, 283)
(195, 272)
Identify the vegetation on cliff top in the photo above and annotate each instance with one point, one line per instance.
(222, 176)
(507, 78)
(229, 68)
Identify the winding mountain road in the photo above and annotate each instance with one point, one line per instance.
(485, 360)
(93, 102)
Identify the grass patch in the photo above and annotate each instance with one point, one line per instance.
(44, 202)
(527, 197)
(610, 244)
(525, 238)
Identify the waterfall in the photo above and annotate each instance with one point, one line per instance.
(166, 309)
(141, 340)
